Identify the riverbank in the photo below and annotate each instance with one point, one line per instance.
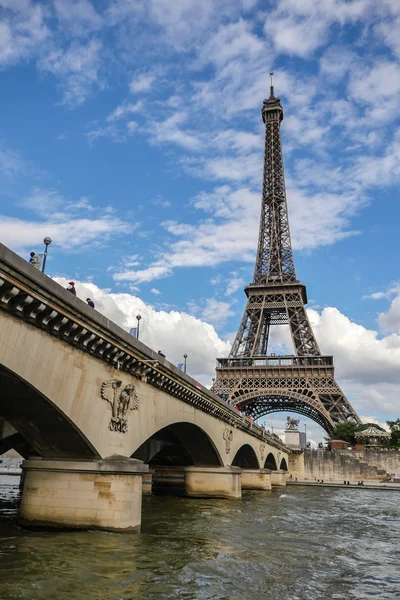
(370, 485)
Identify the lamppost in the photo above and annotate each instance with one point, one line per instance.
(138, 317)
(185, 357)
(47, 242)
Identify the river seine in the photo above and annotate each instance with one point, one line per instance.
(299, 543)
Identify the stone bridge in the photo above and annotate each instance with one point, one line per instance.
(100, 417)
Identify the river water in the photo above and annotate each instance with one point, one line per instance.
(298, 543)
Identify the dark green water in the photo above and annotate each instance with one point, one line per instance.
(288, 544)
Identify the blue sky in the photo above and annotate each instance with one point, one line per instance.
(131, 134)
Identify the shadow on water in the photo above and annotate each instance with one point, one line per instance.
(297, 544)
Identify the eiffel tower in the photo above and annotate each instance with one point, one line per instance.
(259, 383)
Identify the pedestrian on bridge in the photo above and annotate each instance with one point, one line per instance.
(71, 288)
(90, 302)
(35, 260)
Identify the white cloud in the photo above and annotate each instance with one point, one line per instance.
(69, 234)
(300, 27)
(170, 130)
(71, 225)
(390, 320)
(392, 290)
(179, 25)
(229, 42)
(123, 110)
(79, 17)
(78, 68)
(368, 368)
(23, 30)
(235, 283)
(11, 163)
(376, 84)
(360, 355)
(155, 291)
(216, 312)
(142, 83)
(173, 332)
(232, 229)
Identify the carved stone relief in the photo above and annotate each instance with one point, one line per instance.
(121, 398)
(228, 437)
(262, 452)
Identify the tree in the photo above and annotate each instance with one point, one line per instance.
(345, 432)
(394, 427)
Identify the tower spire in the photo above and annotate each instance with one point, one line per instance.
(274, 262)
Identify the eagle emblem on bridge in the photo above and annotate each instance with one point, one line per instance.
(120, 399)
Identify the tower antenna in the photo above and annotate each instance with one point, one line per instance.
(272, 85)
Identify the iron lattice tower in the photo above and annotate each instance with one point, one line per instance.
(260, 384)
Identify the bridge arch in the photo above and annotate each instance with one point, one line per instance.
(267, 401)
(45, 428)
(270, 462)
(179, 444)
(246, 458)
(283, 465)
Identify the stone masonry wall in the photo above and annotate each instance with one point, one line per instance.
(339, 466)
(388, 460)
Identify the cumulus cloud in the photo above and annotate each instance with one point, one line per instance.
(390, 320)
(174, 333)
(367, 366)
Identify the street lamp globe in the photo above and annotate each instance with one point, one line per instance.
(47, 241)
(138, 317)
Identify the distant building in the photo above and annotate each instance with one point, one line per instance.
(338, 445)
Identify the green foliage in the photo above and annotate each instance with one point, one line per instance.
(345, 432)
(395, 430)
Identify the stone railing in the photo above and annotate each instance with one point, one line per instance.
(33, 297)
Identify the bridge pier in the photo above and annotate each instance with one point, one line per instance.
(213, 482)
(103, 494)
(278, 477)
(256, 479)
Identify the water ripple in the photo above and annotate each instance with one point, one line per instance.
(303, 544)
